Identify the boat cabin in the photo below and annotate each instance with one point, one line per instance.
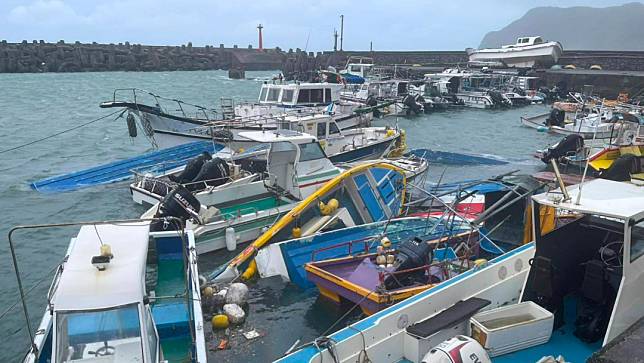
(358, 66)
(525, 41)
(588, 268)
(296, 162)
(115, 309)
(299, 94)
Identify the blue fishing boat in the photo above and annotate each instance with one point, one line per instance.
(111, 300)
(158, 161)
(288, 258)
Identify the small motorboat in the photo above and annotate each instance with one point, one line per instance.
(113, 301)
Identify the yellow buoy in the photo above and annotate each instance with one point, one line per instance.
(330, 207)
(390, 133)
(220, 321)
(480, 262)
(250, 271)
(296, 232)
(385, 242)
(241, 150)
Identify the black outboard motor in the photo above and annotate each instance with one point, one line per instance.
(192, 168)
(178, 203)
(410, 102)
(556, 118)
(371, 101)
(497, 98)
(213, 173)
(412, 253)
(622, 168)
(572, 143)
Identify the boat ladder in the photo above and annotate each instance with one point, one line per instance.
(227, 108)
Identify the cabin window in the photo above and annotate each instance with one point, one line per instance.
(262, 94)
(355, 69)
(273, 95)
(321, 130)
(152, 335)
(333, 128)
(304, 96)
(287, 95)
(538, 40)
(316, 96)
(327, 95)
(637, 241)
(78, 333)
(311, 151)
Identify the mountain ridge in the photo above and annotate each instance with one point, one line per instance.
(577, 28)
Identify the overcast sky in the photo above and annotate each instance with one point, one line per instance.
(391, 25)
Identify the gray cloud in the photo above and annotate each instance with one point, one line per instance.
(401, 24)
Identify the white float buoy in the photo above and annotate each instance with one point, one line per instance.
(231, 239)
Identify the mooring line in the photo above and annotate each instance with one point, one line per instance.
(61, 132)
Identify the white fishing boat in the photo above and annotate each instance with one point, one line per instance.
(395, 94)
(340, 146)
(468, 88)
(527, 52)
(358, 66)
(105, 304)
(165, 127)
(234, 214)
(571, 292)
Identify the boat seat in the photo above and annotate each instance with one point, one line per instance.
(451, 316)
(592, 309)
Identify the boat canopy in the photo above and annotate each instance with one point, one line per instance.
(601, 197)
(273, 136)
(84, 287)
(299, 93)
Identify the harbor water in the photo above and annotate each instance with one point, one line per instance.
(37, 105)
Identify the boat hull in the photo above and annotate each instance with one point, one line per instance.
(545, 54)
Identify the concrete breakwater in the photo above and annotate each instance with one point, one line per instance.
(38, 56)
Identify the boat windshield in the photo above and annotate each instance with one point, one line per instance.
(637, 241)
(85, 335)
(311, 151)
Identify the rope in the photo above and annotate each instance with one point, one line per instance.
(60, 132)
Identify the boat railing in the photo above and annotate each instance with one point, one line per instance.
(364, 250)
(136, 94)
(442, 265)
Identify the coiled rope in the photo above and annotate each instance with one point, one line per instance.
(63, 131)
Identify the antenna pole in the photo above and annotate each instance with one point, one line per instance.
(335, 40)
(341, 31)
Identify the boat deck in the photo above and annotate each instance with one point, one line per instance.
(251, 206)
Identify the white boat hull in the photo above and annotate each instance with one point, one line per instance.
(544, 54)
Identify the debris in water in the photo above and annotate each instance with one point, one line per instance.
(252, 334)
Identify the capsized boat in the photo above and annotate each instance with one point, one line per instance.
(574, 291)
(527, 52)
(111, 301)
(369, 192)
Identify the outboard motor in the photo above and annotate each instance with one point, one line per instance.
(192, 168)
(212, 173)
(178, 203)
(460, 349)
(410, 102)
(572, 143)
(412, 253)
(556, 117)
(497, 98)
(622, 168)
(371, 101)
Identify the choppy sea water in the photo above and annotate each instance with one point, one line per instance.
(36, 105)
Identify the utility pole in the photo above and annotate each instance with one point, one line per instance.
(371, 46)
(335, 40)
(261, 45)
(341, 31)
